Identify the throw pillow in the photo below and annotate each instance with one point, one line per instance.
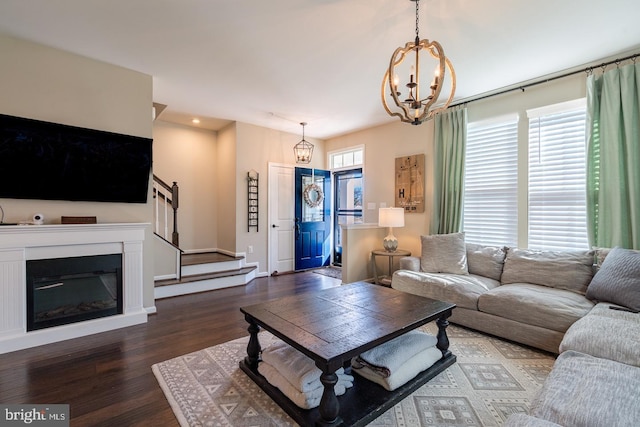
(444, 253)
(618, 279)
(485, 261)
(570, 270)
(601, 255)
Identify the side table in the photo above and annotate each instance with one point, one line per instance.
(386, 280)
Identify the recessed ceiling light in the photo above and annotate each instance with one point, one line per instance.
(195, 121)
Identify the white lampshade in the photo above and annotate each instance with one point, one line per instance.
(391, 217)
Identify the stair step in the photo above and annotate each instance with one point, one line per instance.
(205, 276)
(205, 271)
(204, 282)
(208, 262)
(206, 258)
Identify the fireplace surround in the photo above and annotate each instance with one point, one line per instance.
(24, 245)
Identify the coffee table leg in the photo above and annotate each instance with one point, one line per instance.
(329, 406)
(253, 348)
(443, 340)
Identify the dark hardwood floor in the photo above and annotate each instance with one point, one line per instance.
(107, 379)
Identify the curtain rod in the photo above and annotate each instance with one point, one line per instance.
(587, 70)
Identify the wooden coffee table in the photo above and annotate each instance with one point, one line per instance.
(331, 327)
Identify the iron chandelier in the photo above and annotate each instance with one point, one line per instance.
(303, 150)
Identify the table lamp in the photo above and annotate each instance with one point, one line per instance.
(390, 217)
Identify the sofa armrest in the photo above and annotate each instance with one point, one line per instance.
(411, 263)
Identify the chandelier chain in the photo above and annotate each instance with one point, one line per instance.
(417, 19)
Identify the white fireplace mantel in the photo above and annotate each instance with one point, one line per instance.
(28, 242)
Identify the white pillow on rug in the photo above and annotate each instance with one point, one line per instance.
(444, 253)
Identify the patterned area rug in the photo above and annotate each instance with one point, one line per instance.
(491, 380)
(331, 271)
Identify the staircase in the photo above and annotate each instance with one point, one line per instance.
(190, 273)
(202, 272)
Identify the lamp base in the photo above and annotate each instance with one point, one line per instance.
(390, 243)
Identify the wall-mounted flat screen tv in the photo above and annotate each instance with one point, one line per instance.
(48, 161)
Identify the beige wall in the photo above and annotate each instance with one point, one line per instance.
(166, 259)
(357, 243)
(211, 169)
(47, 84)
(227, 188)
(188, 156)
(384, 143)
(241, 147)
(257, 147)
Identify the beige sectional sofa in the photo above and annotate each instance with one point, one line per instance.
(595, 380)
(531, 297)
(556, 301)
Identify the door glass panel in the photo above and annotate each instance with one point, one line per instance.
(313, 199)
(348, 206)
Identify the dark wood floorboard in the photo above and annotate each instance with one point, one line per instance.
(107, 379)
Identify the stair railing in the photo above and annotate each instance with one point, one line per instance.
(166, 200)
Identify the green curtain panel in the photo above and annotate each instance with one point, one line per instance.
(613, 157)
(450, 129)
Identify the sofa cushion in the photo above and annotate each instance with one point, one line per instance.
(570, 270)
(444, 253)
(485, 261)
(606, 333)
(537, 305)
(462, 290)
(618, 279)
(583, 390)
(409, 263)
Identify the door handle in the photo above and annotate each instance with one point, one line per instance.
(297, 228)
(274, 226)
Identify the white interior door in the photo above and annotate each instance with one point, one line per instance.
(281, 218)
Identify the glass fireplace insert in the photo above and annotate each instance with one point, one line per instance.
(68, 290)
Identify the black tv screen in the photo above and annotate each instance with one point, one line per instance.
(48, 161)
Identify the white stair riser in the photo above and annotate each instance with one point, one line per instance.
(213, 267)
(203, 285)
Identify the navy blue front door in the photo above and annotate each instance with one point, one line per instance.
(312, 218)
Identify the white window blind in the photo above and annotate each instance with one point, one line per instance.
(491, 182)
(557, 177)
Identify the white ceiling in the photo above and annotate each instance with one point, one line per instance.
(276, 63)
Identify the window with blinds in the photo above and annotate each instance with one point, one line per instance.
(557, 177)
(491, 182)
